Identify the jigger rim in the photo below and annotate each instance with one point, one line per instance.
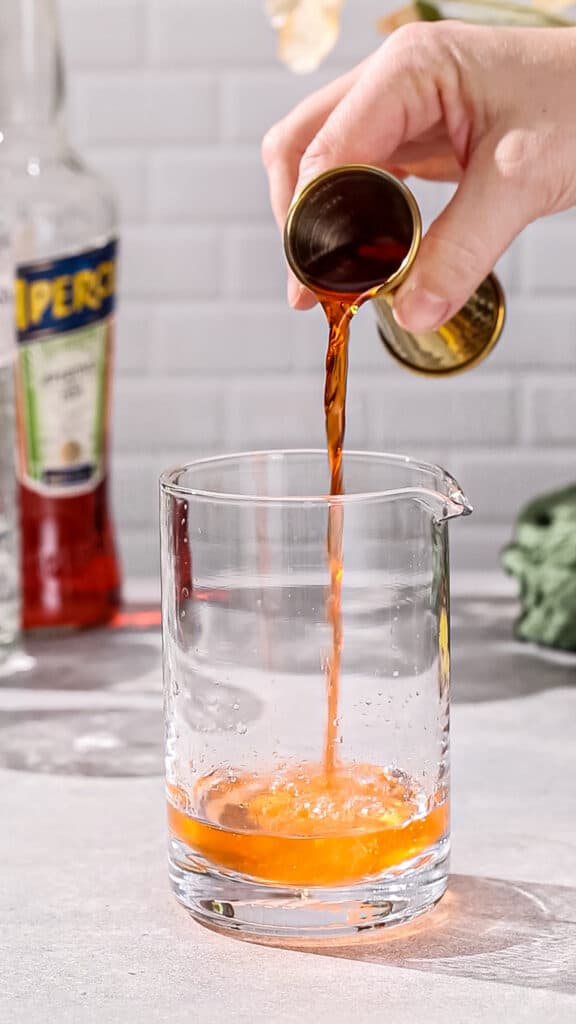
(311, 187)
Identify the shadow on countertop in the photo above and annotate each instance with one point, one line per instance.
(92, 706)
(487, 929)
(99, 659)
(489, 664)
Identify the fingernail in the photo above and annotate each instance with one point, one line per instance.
(420, 310)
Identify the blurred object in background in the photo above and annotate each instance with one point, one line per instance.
(543, 560)
(479, 12)
(307, 30)
(9, 562)
(64, 245)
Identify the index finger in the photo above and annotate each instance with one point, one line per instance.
(398, 96)
(285, 144)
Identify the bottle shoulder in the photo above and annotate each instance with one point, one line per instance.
(56, 204)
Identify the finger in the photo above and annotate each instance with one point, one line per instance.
(423, 149)
(432, 158)
(352, 114)
(432, 169)
(284, 144)
(397, 98)
(461, 247)
(299, 297)
(282, 150)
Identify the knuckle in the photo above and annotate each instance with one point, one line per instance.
(527, 158)
(518, 152)
(417, 42)
(432, 49)
(409, 37)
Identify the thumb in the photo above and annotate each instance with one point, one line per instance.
(463, 244)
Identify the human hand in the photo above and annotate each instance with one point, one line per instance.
(491, 109)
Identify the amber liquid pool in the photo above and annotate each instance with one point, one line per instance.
(299, 827)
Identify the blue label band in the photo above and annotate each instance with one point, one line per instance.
(66, 294)
(69, 477)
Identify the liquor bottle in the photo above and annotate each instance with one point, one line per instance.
(64, 240)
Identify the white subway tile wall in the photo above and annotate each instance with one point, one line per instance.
(169, 99)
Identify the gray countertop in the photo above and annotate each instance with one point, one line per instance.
(90, 931)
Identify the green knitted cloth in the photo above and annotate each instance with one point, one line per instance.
(542, 558)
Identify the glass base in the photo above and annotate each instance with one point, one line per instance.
(295, 916)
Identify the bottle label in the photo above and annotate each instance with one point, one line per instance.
(64, 327)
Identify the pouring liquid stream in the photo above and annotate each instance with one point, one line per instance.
(339, 313)
(336, 273)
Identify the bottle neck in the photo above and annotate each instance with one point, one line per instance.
(31, 74)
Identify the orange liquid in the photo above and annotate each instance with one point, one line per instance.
(335, 415)
(327, 823)
(339, 310)
(340, 295)
(298, 827)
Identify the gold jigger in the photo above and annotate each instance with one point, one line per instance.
(357, 229)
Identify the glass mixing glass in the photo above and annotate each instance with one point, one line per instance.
(296, 814)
